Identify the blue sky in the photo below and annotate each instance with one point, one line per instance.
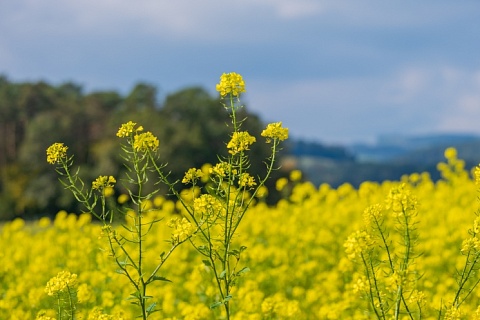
(334, 71)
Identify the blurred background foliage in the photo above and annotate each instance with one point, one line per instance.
(191, 125)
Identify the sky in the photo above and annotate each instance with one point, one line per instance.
(334, 71)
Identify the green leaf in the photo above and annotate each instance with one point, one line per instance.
(216, 304)
(158, 278)
(222, 275)
(207, 263)
(244, 270)
(151, 307)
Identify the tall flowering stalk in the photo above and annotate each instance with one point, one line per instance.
(126, 249)
(64, 288)
(385, 249)
(467, 277)
(217, 211)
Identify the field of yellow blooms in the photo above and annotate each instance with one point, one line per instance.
(296, 253)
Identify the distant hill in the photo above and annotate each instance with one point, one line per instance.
(389, 159)
(391, 147)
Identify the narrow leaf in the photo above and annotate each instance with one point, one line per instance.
(216, 305)
(158, 278)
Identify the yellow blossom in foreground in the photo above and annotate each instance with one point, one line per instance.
(182, 229)
(221, 169)
(145, 141)
(103, 182)
(246, 180)
(275, 131)
(97, 314)
(231, 83)
(207, 205)
(241, 141)
(192, 175)
(127, 129)
(63, 281)
(56, 152)
(453, 314)
(372, 215)
(357, 243)
(470, 244)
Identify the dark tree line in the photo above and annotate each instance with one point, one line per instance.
(190, 124)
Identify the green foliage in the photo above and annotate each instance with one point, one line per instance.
(190, 123)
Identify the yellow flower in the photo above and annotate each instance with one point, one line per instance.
(97, 314)
(477, 175)
(231, 83)
(182, 229)
(103, 182)
(295, 175)
(56, 152)
(450, 153)
(127, 129)
(207, 205)
(453, 314)
(275, 131)
(470, 244)
(145, 141)
(281, 183)
(357, 244)
(240, 142)
(192, 175)
(401, 202)
(373, 214)
(246, 180)
(63, 281)
(221, 169)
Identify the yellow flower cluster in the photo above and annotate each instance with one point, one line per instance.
(373, 215)
(56, 152)
(401, 201)
(470, 244)
(275, 131)
(192, 175)
(246, 181)
(477, 175)
(231, 83)
(142, 142)
(357, 244)
(62, 282)
(127, 129)
(240, 142)
(145, 141)
(207, 204)
(222, 169)
(182, 229)
(103, 182)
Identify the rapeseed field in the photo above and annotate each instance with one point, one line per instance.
(406, 249)
(296, 252)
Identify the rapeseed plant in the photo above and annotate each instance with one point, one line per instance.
(210, 215)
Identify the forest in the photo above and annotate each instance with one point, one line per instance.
(190, 125)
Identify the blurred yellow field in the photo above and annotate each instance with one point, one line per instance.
(295, 252)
